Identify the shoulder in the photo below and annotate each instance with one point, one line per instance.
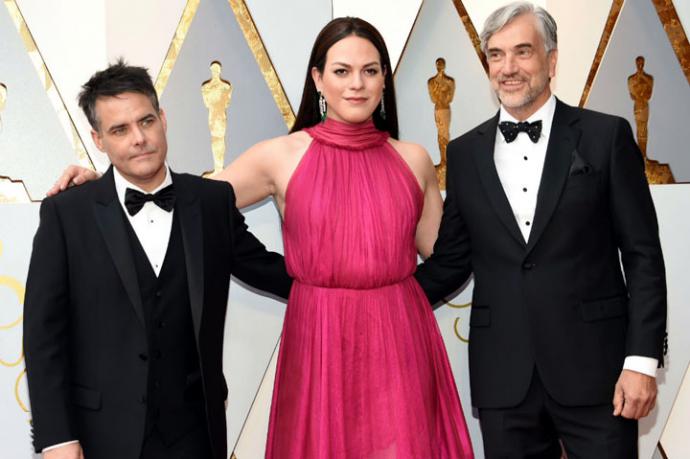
(282, 145)
(76, 196)
(592, 119)
(413, 153)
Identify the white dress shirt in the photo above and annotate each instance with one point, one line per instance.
(519, 165)
(151, 224)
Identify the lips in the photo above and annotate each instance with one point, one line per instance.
(356, 100)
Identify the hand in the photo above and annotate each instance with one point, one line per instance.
(634, 395)
(71, 451)
(73, 175)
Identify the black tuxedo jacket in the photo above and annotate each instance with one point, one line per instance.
(560, 300)
(84, 329)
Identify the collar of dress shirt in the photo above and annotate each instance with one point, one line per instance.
(121, 185)
(545, 114)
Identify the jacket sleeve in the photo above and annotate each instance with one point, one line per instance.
(449, 266)
(46, 328)
(637, 235)
(253, 264)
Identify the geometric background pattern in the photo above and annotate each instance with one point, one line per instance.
(49, 48)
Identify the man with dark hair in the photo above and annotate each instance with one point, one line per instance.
(541, 199)
(127, 291)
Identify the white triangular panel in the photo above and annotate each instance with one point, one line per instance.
(640, 32)
(34, 146)
(289, 46)
(393, 18)
(80, 37)
(683, 11)
(129, 27)
(439, 32)
(675, 440)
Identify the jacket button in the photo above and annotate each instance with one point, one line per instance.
(159, 294)
(528, 265)
(143, 357)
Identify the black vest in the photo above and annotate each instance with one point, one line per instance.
(175, 403)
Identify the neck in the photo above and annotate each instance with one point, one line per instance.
(524, 112)
(147, 184)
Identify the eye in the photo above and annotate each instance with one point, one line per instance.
(494, 56)
(118, 131)
(372, 71)
(340, 72)
(146, 122)
(524, 52)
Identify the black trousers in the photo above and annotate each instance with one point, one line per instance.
(534, 427)
(193, 445)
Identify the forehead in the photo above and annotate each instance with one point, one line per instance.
(123, 107)
(521, 30)
(353, 50)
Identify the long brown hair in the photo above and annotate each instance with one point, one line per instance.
(339, 28)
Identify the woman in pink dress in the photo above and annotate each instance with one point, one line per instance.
(362, 369)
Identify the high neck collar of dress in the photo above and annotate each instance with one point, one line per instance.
(348, 136)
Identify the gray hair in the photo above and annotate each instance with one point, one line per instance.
(506, 14)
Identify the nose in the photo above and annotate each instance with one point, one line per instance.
(509, 65)
(138, 136)
(357, 82)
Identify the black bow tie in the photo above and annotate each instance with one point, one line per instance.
(135, 200)
(511, 130)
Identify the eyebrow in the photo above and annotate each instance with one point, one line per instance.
(518, 46)
(349, 66)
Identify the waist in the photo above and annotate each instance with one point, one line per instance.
(373, 286)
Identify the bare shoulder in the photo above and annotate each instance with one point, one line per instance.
(414, 154)
(282, 147)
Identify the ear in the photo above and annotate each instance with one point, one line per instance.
(98, 140)
(161, 115)
(316, 76)
(553, 58)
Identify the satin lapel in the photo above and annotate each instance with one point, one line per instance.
(188, 208)
(484, 159)
(562, 142)
(111, 223)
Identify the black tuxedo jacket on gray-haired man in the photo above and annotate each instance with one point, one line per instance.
(558, 302)
(113, 351)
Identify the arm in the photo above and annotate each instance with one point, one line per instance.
(251, 175)
(429, 221)
(637, 234)
(253, 264)
(46, 340)
(449, 266)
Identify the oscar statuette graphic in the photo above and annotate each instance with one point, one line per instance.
(217, 94)
(441, 91)
(640, 86)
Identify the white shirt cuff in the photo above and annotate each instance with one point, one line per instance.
(59, 445)
(644, 365)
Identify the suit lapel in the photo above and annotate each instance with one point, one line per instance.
(111, 223)
(563, 141)
(484, 159)
(188, 208)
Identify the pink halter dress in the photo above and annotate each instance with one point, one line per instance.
(362, 369)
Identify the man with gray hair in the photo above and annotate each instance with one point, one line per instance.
(541, 201)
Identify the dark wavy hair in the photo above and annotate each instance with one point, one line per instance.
(339, 28)
(118, 78)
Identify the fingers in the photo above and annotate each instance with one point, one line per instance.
(73, 175)
(618, 400)
(637, 393)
